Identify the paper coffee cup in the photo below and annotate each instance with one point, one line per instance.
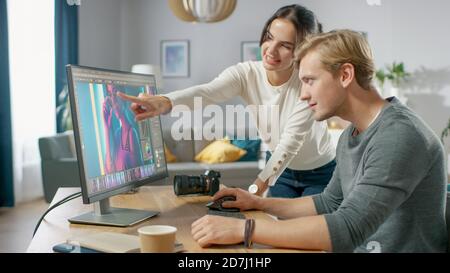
(157, 238)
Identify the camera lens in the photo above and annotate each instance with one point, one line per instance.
(184, 184)
(205, 184)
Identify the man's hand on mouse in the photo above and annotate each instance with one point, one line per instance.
(244, 200)
(211, 229)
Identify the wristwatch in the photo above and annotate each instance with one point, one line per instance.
(253, 189)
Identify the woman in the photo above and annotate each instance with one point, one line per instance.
(302, 160)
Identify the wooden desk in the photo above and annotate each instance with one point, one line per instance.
(180, 212)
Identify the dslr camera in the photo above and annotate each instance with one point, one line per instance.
(204, 184)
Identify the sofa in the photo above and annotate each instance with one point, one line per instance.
(58, 163)
(239, 174)
(60, 167)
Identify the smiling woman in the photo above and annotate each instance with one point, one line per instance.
(31, 52)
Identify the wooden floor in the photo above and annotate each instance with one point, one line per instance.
(17, 225)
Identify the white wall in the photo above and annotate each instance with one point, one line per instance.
(100, 33)
(118, 34)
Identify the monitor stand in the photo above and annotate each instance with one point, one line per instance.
(105, 215)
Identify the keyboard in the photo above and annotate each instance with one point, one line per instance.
(226, 214)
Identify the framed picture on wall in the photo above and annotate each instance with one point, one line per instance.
(250, 51)
(175, 58)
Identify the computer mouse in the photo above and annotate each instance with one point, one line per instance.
(217, 205)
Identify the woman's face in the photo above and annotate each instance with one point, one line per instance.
(278, 48)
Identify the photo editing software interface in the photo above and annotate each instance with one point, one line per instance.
(116, 148)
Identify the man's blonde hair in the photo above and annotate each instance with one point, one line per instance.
(338, 47)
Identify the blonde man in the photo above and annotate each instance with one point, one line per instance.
(388, 191)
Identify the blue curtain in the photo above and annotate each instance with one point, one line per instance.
(6, 166)
(66, 47)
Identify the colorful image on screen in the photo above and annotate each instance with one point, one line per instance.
(112, 139)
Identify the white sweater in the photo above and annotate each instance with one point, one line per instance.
(303, 143)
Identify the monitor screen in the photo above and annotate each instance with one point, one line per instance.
(115, 152)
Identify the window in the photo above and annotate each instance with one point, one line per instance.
(31, 57)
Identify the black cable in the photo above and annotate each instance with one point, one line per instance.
(60, 202)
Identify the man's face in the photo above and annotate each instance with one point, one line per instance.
(322, 90)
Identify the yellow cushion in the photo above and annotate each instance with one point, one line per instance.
(170, 157)
(220, 151)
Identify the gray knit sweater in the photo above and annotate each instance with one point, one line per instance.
(388, 191)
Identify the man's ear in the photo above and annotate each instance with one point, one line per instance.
(347, 74)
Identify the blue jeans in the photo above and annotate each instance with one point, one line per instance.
(295, 183)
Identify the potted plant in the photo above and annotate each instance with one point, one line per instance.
(396, 74)
(63, 110)
(444, 135)
(445, 132)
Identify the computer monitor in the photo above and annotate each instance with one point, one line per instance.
(115, 152)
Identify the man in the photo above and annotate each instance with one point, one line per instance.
(388, 190)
